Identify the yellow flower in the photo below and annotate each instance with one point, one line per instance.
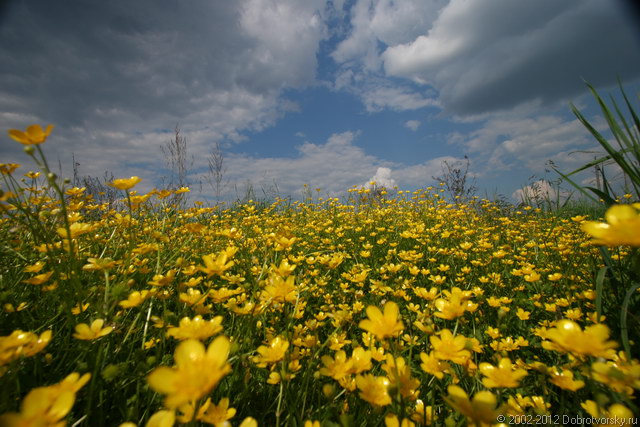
(432, 365)
(134, 299)
(249, 422)
(493, 332)
(622, 226)
(523, 314)
(39, 279)
(554, 277)
(391, 420)
(282, 242)
(284, 269)
(196, 372)
(455, 305)
(125, 183)
(198, 328)
(481, 409)
(532, 277)
(35, 268)
(33, 136)
(620, 375)
(77, 229)
(95, 331)
(99, 264)
(219, 414)
(360, 360)
(614, 415)
(162, 418)
(337, 368)
(272, 353)
(383, 325)
(279, 289)
(400, 377)
(568, 337)
(422, 414)
(518, 404)
(374, 390)
(220, 264)
(502, 376)
(564, 380)
(79, 308)
(22, 344)
(8, 169)
(73, 382)
(448, 347)
(46, 406)
(163, 280)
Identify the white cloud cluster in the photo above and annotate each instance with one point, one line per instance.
(497, 54)
(386, 21)
(540, 193)
(412, 124)
(382, 178)
(114, 76)
(382, 22)
(505, 142)
(333, 166)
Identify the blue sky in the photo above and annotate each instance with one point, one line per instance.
(331, 94)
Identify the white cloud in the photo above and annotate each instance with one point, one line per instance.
(375, 23)
(510, 141)
(540, 193)
(412, 124)
(399, 98)
(287, 35)
(390, 22)
(333, 166)
(382, 178)
(113, 77)
(497, 54)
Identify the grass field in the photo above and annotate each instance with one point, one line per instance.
(388, 311)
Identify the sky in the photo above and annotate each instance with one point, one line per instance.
(332, 94)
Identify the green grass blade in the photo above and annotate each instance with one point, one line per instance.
(608, 200)
(590, 164)
(599, 286)
(615, 154)
(632, 112)
(624, 331)
(576, 186)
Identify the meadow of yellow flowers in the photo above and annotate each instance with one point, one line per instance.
(399, 311)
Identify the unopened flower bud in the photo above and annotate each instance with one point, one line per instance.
(29, 149)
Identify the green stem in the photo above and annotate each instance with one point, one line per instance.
(94, 377)
(278, 409)
(106, 292)
(623, 319)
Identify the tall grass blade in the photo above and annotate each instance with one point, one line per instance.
(624, 330)
(599, 286)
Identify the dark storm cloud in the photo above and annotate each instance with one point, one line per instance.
(76, 61)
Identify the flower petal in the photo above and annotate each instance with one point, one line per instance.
(188, 352)
(162, 380)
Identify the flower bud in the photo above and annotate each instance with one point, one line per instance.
(29, 149)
